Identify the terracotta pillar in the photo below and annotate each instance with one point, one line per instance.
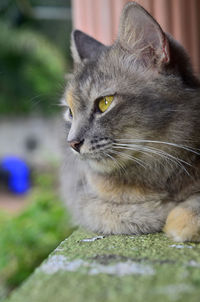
(100, 19)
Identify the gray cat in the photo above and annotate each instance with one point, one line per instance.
(133, 163)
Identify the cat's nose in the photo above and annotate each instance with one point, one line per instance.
(76, 145)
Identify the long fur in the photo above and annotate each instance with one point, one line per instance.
(140, 159)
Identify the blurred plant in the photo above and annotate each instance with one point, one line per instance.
(27, 239)
(31, 72)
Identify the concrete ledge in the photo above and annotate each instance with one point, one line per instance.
(88, 267)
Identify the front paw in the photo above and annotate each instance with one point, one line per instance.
(182, 225)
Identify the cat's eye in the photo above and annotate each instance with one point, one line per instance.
(70, 113)
(105, 102)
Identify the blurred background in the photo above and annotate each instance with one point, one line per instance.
(35, 62)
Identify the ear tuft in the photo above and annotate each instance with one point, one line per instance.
(140, 34)
(85, 47)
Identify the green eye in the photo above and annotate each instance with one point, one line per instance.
(105, 102)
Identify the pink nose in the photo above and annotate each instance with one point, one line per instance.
(76, 145)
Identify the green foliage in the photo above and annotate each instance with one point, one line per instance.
(27, 239)
(31, 72)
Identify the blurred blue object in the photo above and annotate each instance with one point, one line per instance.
(19, 174)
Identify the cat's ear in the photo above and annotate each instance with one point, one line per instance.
(85, 47)
(141, 34)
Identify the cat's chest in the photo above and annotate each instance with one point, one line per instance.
(120, 192)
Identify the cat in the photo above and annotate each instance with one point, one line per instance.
(132, 122)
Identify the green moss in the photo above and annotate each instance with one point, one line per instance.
(174, 274)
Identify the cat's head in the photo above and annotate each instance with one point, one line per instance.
(123, 96)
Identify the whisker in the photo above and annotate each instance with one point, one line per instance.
(122, 154)
(172, 158)
(156, 151)
(190, 149)
(130, 145)
(146, 152)
(128, 155)
(119, 165)
(137, 148)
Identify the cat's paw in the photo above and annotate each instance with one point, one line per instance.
(182, 225)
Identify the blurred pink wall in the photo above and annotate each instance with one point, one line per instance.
(100, 18)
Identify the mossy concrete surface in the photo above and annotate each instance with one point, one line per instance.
(88, 267)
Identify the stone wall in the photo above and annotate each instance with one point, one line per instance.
(89, 267)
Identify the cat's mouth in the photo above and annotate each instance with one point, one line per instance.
(96, 149)
(104, 161)
(105, 155)
(94, 156)
(111, 159)
(101, 163)
(99, 160)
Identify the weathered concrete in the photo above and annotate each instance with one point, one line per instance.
(87, 267)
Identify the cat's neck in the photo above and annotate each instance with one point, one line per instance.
(154, 183)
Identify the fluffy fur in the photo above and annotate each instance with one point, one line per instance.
(139, 161)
